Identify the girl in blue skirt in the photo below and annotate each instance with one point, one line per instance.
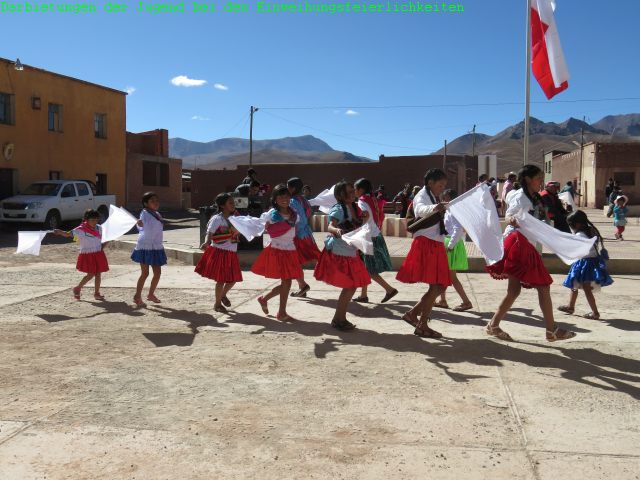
(149, 251)
(588, 273)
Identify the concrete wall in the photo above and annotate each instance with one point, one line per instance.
(393, 172)
(75, 151)
(170, 197)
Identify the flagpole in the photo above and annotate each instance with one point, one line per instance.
(527, 86)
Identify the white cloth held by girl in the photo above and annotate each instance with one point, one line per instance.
(29, 242)
(120, 221)
(360, 238)
(325, 200)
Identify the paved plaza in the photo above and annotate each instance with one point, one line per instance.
(100, 390)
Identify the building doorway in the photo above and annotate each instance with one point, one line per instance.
(101, 183)
(6, 182)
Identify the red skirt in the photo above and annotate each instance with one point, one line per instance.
(95, 262)
(307, 248)
(276, 263)
(342, 272)
(522, 261)
(219, 265)
(426, 262)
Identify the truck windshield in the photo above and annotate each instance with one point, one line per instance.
(47, 189)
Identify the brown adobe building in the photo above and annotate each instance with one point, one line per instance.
(599, 162)
(57, 127)
(392, 172)
(149, 168)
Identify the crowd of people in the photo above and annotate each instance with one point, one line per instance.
(437, 250)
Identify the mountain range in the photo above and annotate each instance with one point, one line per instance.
(507, 144)
(229, 152)
(545, 136)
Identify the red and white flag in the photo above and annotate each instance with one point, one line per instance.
(548, 63)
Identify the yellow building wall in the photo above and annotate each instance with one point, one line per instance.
(75, 151)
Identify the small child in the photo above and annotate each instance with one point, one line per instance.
(456, 254)
(380, 261)
(91, 259)
(280, 258)
(220, 259)
(588, 273)
(620, 211)
(149, 249)
(306, 246)
(339, 263)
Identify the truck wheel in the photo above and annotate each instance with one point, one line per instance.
(104, 213)
(53, 220)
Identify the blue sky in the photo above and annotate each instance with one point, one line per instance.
(349, 61)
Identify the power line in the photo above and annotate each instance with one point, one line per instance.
(449, 105)
(235, 125)
(420, 149)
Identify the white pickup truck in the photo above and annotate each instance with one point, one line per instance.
(52, 202)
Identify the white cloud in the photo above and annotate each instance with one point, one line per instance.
(130, 90)
(219, 86)
(184, 81)
(198, 117)
(351, 112)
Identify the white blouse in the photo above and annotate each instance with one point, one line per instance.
(150, 233)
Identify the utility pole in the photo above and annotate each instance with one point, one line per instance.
(581, 156)
(527, 82)
(251, 112)
(473, 148)
(444, 157)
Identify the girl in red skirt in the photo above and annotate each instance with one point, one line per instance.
(308, 251)
(521, 264)
(280, 258)
(339, 263)
(427, 260)
(220, 259)
(92, 261)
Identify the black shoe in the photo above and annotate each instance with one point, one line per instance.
(343, 325)
(225, 301)
(390, 295)
(302, 292)
(361, 299)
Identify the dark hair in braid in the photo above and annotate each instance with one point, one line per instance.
(340, 192)
(365, 185)
(529, 171)
(279, 190)
(580, 218)
(295, 184)
(434, 174)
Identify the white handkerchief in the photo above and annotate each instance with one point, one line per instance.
(569, 248)
(476, 212)
(568, 199)
(325, 200)
(360, 238)
(29, 242)
(120, 221)
(249, 227)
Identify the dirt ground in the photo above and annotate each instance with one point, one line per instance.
(101, 390)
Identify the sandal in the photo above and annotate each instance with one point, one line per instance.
(498, 333)
(343, 325)
(138, 302)
(463, 307)
(153, 298)
(407, 318)
(302, 292)
(441, 305)
(98, 296)
(219, 309)
(263, 305)
(592, 316)
(225, 301)
(566, 309)
(76, 293)
(361, 299)
(423, 330)
(559, 334)
(389, 295)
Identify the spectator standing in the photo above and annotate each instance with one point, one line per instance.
(555, 210)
